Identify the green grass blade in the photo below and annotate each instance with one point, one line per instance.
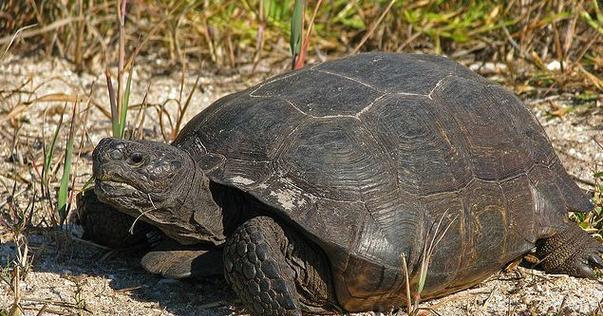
(297, 21)
(123, 113)
(113, 103)
(64, 185)
(49, 150)
(597, 24)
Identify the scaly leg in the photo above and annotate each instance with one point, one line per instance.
(572, 252)
(276, 272)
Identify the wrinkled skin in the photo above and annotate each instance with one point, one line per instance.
(137, 180)
(156, 185)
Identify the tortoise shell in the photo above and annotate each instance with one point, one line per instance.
(373, 155)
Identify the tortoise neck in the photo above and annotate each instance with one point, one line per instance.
(191, 215)
(236, 206)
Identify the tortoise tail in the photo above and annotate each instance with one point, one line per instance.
(575, 199)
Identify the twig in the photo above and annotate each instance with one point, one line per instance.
(407, 284)
(131, 230)
(88, 242)
(299, 63)
(373, 27)
(259, 38)
(128, 289)
(14, 196)
(50, 27)
(182, 111)
(488, 298)
(514, 43)
(32, 300)
(408, 41)
(10, 43)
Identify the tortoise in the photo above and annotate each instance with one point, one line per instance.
(312, 189)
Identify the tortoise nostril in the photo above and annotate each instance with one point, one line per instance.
(136, 157)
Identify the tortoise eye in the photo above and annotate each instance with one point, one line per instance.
(136, 158)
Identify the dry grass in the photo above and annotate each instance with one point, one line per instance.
(14, 223)
(525, 35)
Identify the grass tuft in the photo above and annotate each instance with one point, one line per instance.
(433, 238)
(527, 35)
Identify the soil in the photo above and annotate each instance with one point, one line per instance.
(70, 276)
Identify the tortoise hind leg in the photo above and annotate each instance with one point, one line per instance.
(572, 252)
(276, 273)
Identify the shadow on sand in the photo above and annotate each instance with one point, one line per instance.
(66, 256)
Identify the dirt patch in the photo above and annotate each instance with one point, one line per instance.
(74, 277)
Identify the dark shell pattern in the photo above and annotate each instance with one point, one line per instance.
(373, 155)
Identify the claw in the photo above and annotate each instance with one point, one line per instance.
(585, 271)
(596, 261)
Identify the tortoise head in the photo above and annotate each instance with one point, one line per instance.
(160, 183)
(139, 174)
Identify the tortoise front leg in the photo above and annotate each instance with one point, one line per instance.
(572, 252)
(107, 226)
(276, 273)
(173, 260)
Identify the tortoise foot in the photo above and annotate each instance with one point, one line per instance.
(571, 252)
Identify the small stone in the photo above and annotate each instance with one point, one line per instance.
(554, 65)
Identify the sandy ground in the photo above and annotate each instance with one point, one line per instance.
(69, 276)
